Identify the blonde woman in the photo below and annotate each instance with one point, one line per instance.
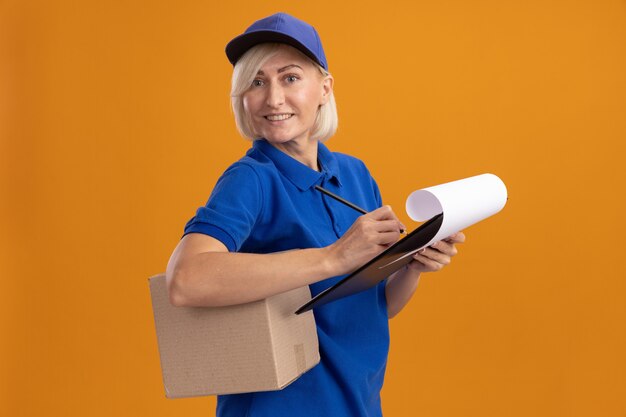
(233, 249)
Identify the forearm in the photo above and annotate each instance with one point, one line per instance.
(225, 278)
(400, 288)
(201, 271)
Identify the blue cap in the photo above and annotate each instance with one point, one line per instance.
(280, 28)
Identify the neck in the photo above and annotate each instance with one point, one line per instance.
(304, 151)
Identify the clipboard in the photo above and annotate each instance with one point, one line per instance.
(380, 267)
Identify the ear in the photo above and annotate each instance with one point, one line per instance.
(327, 89)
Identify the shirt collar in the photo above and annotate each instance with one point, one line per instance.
(299, 174)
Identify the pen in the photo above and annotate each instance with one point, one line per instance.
(346, 202)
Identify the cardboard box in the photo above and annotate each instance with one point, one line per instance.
(258, 346)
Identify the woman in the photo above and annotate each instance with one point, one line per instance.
(266, 229)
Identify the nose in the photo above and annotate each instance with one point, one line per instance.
(275, 96)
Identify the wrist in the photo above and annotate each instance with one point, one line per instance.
(330, 264)
(408, 272)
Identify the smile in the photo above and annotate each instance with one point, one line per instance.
(278, 117)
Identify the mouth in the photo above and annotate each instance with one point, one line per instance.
(278, 117)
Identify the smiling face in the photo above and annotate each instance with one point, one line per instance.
(284, 97)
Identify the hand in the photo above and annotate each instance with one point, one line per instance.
(437, 255)
(368, 236)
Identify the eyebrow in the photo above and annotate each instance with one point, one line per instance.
(283, 69)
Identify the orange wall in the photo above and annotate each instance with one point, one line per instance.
(115, 125)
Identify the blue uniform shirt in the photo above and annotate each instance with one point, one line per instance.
(266, 202)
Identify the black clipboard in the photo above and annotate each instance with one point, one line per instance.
(379, 268)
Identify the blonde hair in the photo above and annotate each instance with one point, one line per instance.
(246, 70)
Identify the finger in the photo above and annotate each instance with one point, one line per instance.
(387, 226)
(436, 256)
(458, 237)
(445, 247)
(387, 238)
(429, 264)
(383, 213)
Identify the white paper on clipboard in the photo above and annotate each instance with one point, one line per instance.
(462, 202)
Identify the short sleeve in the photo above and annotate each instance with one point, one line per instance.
(232, 209)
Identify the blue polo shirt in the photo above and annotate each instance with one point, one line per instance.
(266, 202)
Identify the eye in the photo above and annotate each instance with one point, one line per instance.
(257, 83)
(292, 78)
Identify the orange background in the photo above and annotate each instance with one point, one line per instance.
(116, 124)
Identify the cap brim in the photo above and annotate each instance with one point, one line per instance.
(240, 45)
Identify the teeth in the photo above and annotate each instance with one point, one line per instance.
(276, 117)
